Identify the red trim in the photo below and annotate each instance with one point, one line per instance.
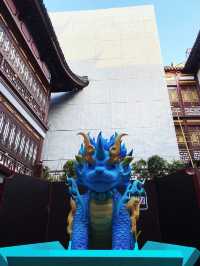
(11, 6)
(25, 32)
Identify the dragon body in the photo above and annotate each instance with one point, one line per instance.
(105, 215)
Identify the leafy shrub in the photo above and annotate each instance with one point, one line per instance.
(45, 173)
(140, 168)
(156, 167)
(174, 166)
(69, 168)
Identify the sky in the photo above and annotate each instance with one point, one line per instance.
(178, 21)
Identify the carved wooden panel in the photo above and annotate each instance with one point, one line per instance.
(192, 111)
(173, 96)
(19, 143)
(180, 136)
(196, 155)
(190, 104)
(192, 136)
(184, 155)
(190, 96)
(194, 132)
(177, 111)
(18, 71)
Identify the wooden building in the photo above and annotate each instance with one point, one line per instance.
(184, 93)
(32, 66)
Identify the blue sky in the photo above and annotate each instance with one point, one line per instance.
(178, 21)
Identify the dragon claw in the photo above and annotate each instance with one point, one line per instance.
(134, 189)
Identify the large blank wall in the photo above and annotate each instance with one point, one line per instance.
(119, 50)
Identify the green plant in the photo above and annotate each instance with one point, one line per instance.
(174, 166)
(157, 166)
(140, 168)
(45, 173)
(69, 168)
(196, 163)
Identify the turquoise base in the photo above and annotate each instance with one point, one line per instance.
(53, 254)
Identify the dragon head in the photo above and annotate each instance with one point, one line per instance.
(103, 164)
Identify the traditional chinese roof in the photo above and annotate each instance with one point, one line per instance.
(174, 68)
(34, 14)
(193, 62)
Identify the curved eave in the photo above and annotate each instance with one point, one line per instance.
(42, 31)
(79, 82)
(193, 62)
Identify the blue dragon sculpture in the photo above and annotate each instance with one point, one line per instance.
(104, 215)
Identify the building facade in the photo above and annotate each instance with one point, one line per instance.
(184, 93)
(119, 50)
(31, 67)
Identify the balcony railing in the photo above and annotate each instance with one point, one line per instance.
(185, 157)
(188, 111)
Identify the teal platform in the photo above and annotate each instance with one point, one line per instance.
(53, 254)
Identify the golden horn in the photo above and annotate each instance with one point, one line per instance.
(88, 146)
(115, 149)
(118, 141)
(85, 138)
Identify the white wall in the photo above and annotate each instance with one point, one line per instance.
(119, 51)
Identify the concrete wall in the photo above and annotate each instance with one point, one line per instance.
(119, 51)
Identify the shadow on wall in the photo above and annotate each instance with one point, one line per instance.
(59, 99)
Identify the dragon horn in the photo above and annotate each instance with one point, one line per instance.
(115, 149)
(89, 148)
(85, 139)
(88, 145)
(118, 140)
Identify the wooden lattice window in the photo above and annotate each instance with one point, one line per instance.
(194, 132)
(189, 94)
(179, 136)
(12, 135)
(2, 120)
(194, 136)
(18, 70)
(173, 95)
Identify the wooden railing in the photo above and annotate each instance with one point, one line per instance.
(19, 145)
(184, 155)
(20, 74)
